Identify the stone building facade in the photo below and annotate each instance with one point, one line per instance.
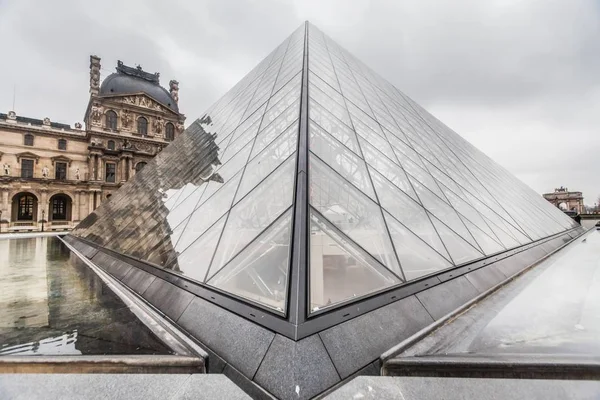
(53, 175)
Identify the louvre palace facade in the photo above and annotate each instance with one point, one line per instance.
(53, 175)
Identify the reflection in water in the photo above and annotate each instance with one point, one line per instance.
(52, 303)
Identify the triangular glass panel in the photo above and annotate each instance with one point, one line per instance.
(260, 272)
(209, 212)
(195, 260)
(342, 132)
(186, 207)
(339, 270)
(460, 251)
(351, 211)
(255, 212)
(416, 257)
(341, 159)
(266, 162)
(486, 243)
(443, 212)
(408, 212)
(388, 168)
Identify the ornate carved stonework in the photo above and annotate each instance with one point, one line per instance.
(94, 73)
(46, 121)
(96, 114)
(12, 115)
(179, 127)
(78, 125)
(126, 119)
(157, 124)
(174, 90)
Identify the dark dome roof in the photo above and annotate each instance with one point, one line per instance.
(119, 83)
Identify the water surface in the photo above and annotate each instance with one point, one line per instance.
(51, 303)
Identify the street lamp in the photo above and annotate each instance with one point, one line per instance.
(43, 217)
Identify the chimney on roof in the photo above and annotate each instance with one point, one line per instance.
(174, 90)
(94, 74)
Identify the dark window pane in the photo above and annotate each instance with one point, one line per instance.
(25, 208)
(26, 168)
(111, 120)
(28, 141)
(59, 208)
(111, 145)
(61, 171)
(62, 144)
(111, 170)
(169, 132)
(142, 126)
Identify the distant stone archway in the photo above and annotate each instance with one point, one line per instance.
(565, 200)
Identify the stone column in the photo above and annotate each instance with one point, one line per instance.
(83, 207)
(43, 209)
(123, 169)
(90, 167)
(100, 168)
(130, 170)
(91, 202)
(5, 207)
(75, 208)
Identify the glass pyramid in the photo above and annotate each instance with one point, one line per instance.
(314, 182)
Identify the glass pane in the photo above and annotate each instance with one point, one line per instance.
(255, 212)
(187, 206)
(260, 272)
(330, 105)
(195, 260)
(416, 257)
(387, 168)
(351, 211)
(459, 250)
(443, 212)
(226, 172)
(408, 212)
(487, 244)
(268, 135)
(263, 164)
(340, 270)
(342, 160)
(342, 132)
(209, 212)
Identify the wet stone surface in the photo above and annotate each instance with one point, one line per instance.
(51, 303)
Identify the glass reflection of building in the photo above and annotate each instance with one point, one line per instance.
(54, 304)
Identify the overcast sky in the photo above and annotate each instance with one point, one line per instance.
(518, 79)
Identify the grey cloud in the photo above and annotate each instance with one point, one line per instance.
(517, 79)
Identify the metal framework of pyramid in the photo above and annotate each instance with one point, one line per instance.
(315, 183)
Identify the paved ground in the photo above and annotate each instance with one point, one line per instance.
(417, 388)
(118, 386)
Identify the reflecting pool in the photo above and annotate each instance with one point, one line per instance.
(51, 303)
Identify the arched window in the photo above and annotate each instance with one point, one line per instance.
(142, 126)
(60, 207)
(62, 144)
(140, 166)
(25, 207)
(111, 120)
(110, 145)
(28, 140)
(169, 132)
